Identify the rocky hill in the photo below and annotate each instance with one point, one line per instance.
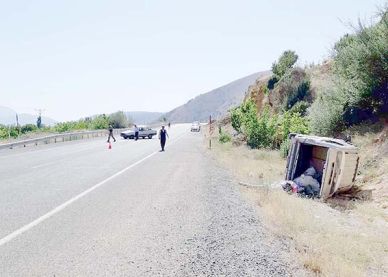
(216, 102)
(139, 117)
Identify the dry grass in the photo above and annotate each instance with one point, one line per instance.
(328, 242)
(373, 143)
(258, 167)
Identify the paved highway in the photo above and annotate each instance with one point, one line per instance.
(81, 209)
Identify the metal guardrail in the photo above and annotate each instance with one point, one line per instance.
(58, 138)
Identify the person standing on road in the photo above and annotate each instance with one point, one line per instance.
(163, 137)
(111, 134)
(136, 129)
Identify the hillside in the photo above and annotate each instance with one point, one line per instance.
(216, 102)
(8, 117)
(139, 117)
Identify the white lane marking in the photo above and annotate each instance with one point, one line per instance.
(61, 207)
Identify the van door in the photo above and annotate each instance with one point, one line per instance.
(327, 174)
(292, 159)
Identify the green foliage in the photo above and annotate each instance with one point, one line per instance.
(224, 137)
(236, 119)
(300, 107)
(9, 131)
(284, 148)
(3, 132)
(361, 81)
(265, 89)
(118, 120)
(297, 95)
(285, 62)
(267, 130)
(100, 122)
(291, 123)
(272, 81)
(292, 88)
(28, 128)
(261, 130)
(64, 127)
(326, 112)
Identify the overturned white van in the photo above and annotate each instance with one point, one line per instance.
(334, 160)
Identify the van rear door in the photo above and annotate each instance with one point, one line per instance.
(327, 174)
(292, 159)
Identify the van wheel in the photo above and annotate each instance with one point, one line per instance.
(150, 136)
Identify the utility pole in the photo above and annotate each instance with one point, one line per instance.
(210, 132)
(17, 124)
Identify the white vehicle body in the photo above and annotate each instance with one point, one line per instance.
(144, 132)
(195, 127)
(336, 160)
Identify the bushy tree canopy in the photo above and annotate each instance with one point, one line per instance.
(285, 62)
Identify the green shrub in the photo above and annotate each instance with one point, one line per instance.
(284, 148)
(291, 123)
(272, 82)
(297, 95)
(293, 87)
(285, 62)
(28, 128)
(118, 120)
(261, 130)
(64, 127)
(3, 132)
(236, 119)
(100, 122)
(325, 114)
(361, 81)
(300, 107)
(224, 137)
(268, 130)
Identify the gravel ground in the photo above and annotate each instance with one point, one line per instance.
(234, 243)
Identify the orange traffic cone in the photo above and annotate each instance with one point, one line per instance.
(110, 146)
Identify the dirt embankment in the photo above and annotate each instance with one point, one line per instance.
(342, 237)
(319, 76)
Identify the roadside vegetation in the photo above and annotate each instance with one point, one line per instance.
(98, 122)
(346, 95)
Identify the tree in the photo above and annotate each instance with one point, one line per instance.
(285, 62)
(39, 122)
(118, 120)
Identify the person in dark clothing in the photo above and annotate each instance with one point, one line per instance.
(136, 132)
(163, 137)
(111, 134)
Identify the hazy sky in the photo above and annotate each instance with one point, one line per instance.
(77, 58)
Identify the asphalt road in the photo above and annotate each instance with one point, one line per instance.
(81, 209)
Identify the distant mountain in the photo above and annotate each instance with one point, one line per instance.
(8, 117)
(143, 117)
(216, 102)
